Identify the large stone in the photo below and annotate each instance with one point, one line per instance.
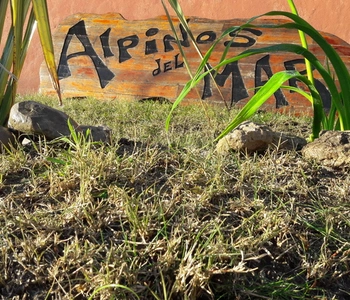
(36, 118)
(331, 149)
(251, 137)
(7, 138)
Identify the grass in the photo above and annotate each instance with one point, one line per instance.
(159, 215)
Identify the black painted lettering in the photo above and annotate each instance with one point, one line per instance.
(168, 39)
(157, 70)
(263, 67)
(133, 41)
(206, 37)
(177, 63)
(104, 38)
(290, 66)
(167, 66)
(321, 88)
(151, 46)
(238, 89)
(63, 71)
(207, 89)
(250, 41)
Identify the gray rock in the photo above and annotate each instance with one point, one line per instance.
(331, 149)
(36, 118)
(251, 137)
(288, 142)
(6, 139)
(97, 133)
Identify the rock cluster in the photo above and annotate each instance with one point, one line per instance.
(33, 118)
(331, 149)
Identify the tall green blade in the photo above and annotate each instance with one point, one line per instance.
(340, 69)
(6, 61)
(42, 17)
(249, 52)
(266, 91)
(28, 34)
(3, 9)
(303, 43)
(17, 8)
(24, 15)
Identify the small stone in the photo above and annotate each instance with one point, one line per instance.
(97, 133)
(288, 142)
(331, 149)
(36, 118)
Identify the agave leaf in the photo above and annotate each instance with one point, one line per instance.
(6, 60)
(11, 56)
(42, 17)
(17, 8)
(16, 46)
(30, 29)
(3, 9)
(2, 67)
(6, 102)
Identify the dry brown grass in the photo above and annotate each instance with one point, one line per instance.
(161, 216)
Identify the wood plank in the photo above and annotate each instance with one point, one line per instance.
(108, 57)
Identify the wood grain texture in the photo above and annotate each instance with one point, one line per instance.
(108, 57)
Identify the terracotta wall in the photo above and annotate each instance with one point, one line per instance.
(329, 16)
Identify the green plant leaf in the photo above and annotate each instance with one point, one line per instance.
(56, 161)
(340, 69)
(249, 52)
(178, 10)
(266, 91)
(339, 114)
(42, 17)
(108, 286)
(303, 43)
(24, 16)
(3, 9)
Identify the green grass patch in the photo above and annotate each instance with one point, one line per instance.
(159, 215)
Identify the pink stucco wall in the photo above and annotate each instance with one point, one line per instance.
(329, 16)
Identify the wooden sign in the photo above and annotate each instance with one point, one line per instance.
(108, 57)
